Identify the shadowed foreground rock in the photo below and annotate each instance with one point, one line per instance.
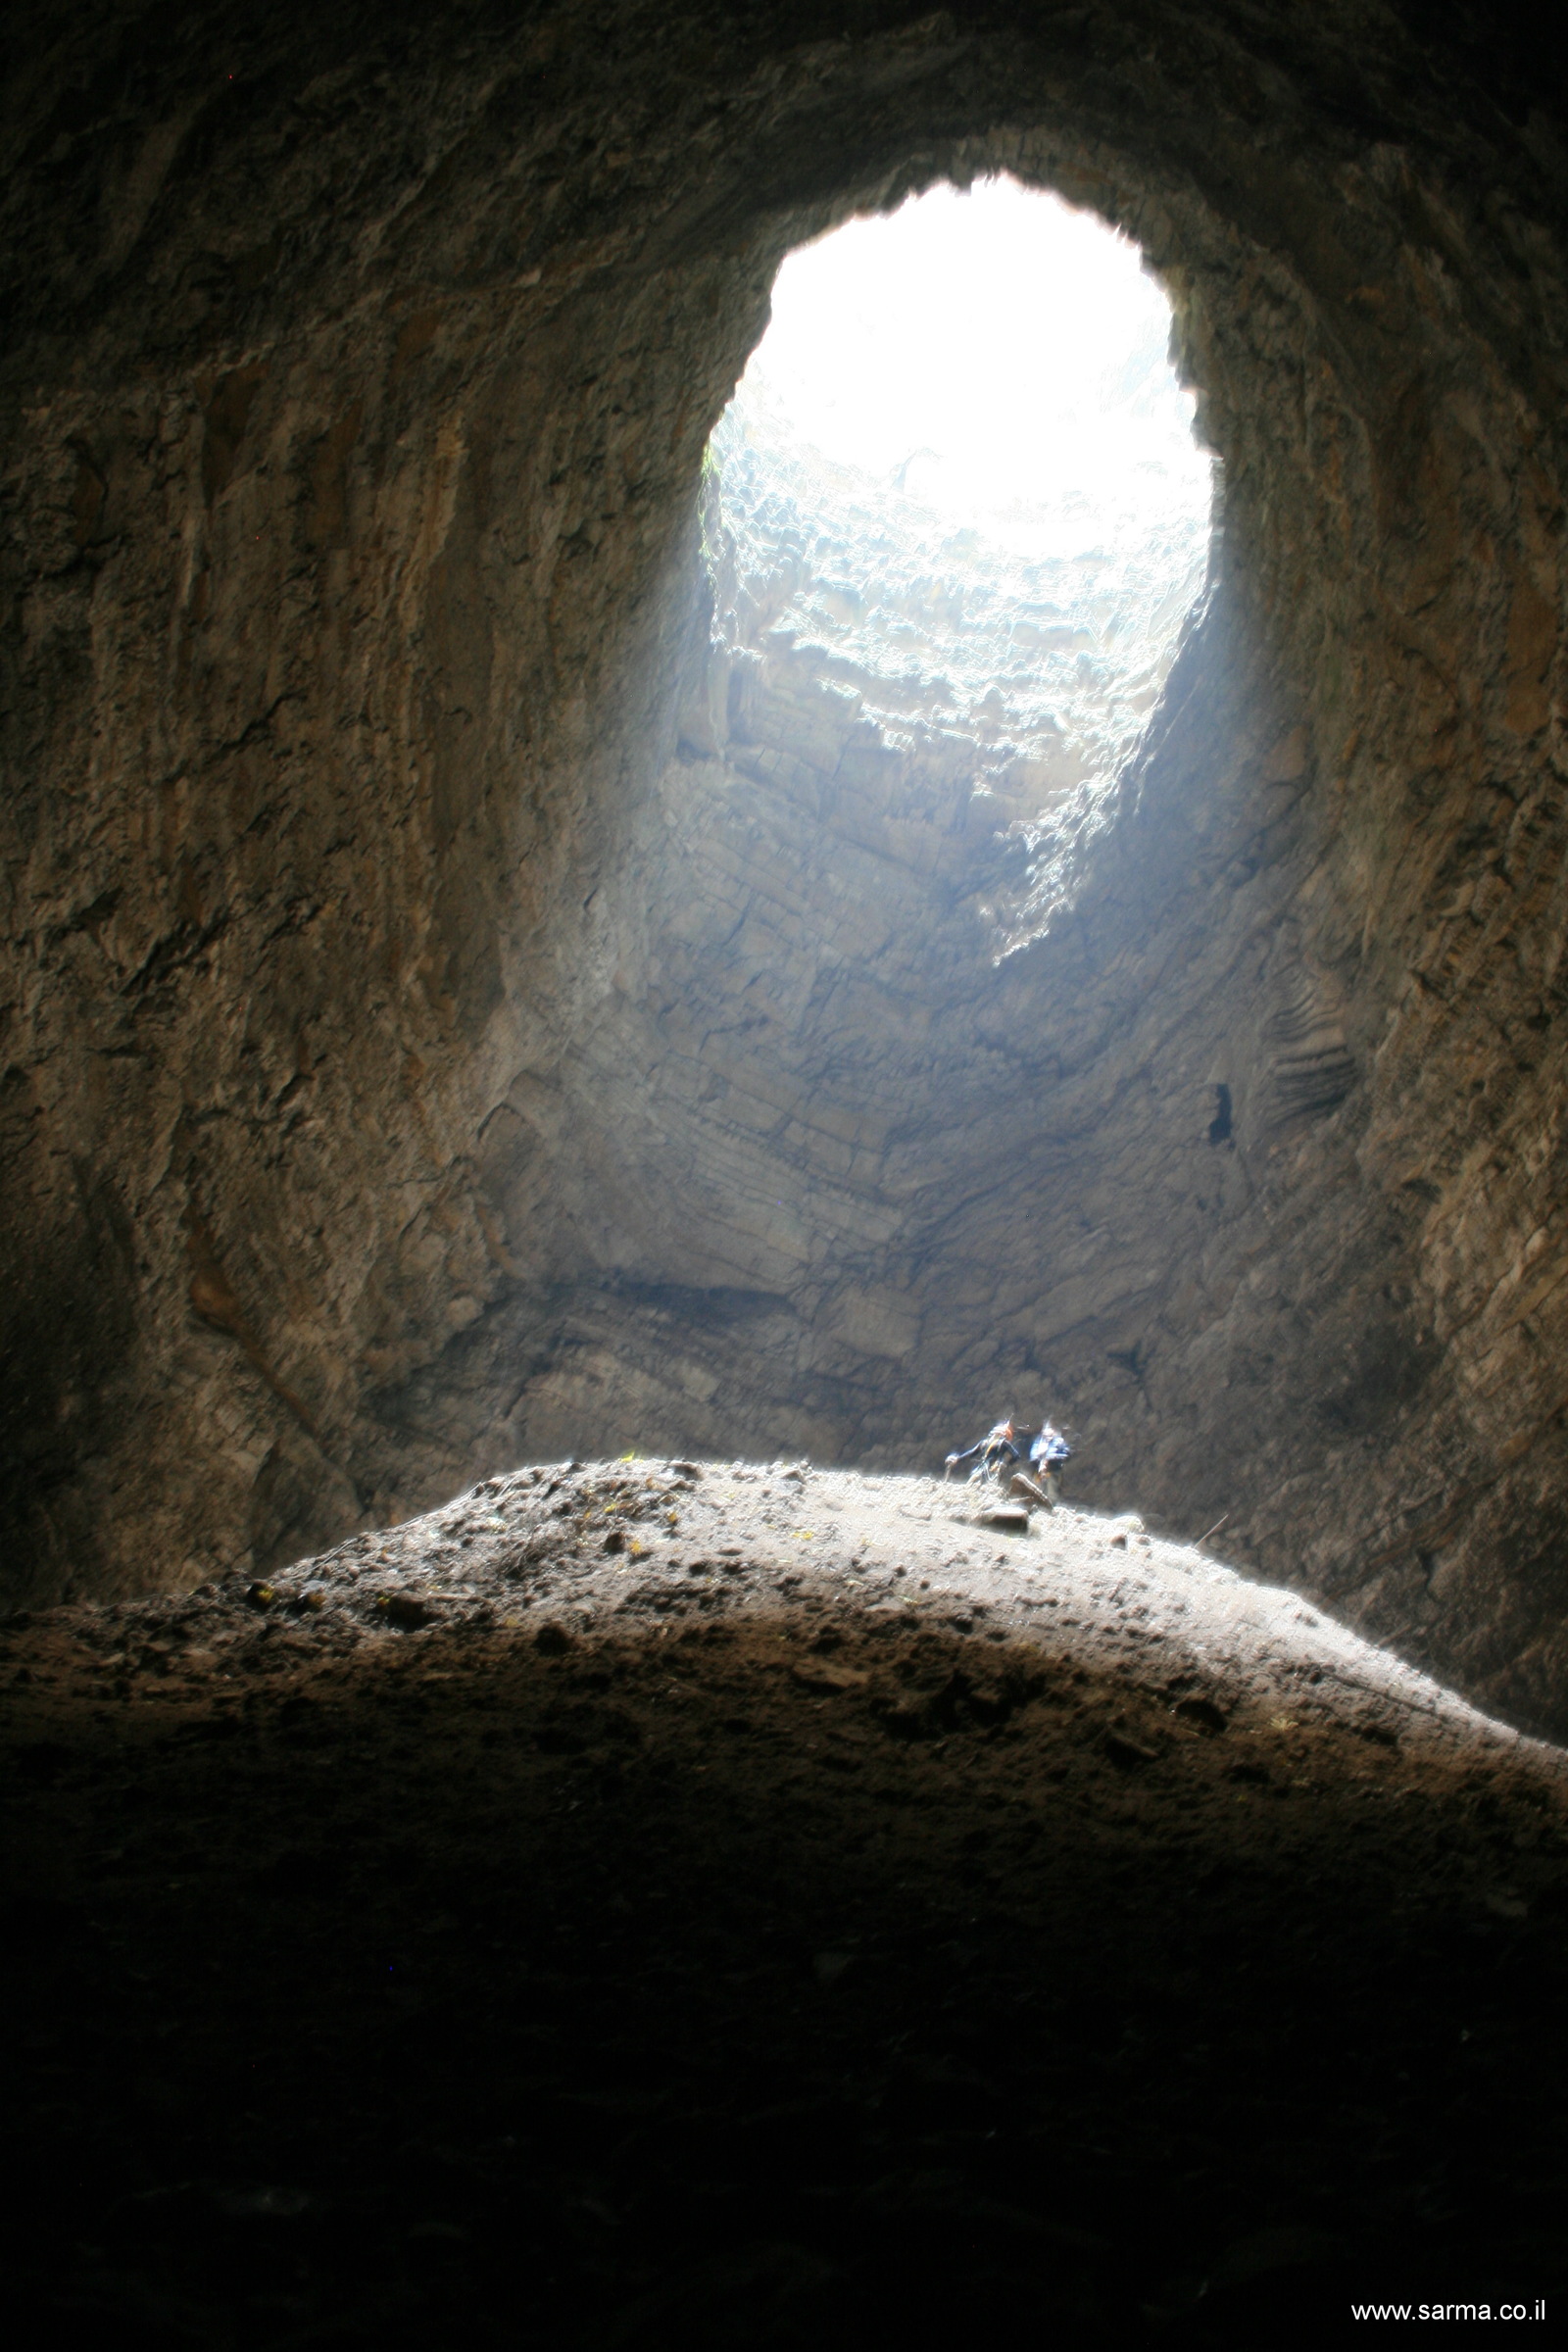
(556, 1926)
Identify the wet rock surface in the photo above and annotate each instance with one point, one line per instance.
(414, 1058)
(625, 1906)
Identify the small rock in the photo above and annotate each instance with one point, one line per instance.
(260, 1596)
(40, 1923)
(301, 1870)
(1292, 2246)
(1128, 1753)
(263, 2204)
(404, 1612)
(827, 1680)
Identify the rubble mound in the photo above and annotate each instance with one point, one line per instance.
(658, 1904)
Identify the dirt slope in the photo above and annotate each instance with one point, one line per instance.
(647, 1905)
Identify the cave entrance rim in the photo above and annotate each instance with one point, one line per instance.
(960, 481)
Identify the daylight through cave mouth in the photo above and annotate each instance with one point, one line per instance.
(959, 494)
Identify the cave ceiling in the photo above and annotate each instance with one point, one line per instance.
(452, 1015)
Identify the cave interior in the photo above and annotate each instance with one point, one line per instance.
(479, 991)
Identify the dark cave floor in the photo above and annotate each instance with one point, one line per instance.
(766, 1959)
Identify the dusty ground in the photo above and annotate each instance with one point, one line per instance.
(645, 1906)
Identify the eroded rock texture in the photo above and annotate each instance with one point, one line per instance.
(440, 1026)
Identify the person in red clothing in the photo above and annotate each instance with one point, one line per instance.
(994, 1454)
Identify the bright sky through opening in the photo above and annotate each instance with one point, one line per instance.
(1004, 351)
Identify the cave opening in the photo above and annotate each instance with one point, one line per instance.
(958, 490)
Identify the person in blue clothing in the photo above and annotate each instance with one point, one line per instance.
(1003, 1453)
(1049, 1451)
(994, 1454)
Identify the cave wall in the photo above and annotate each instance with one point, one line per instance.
(425, 1044)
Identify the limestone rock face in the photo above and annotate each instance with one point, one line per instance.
(450, 1013)
(1023, 654)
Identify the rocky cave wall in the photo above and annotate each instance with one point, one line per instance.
(440, 1026)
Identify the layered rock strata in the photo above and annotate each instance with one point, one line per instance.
(422, 1038)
